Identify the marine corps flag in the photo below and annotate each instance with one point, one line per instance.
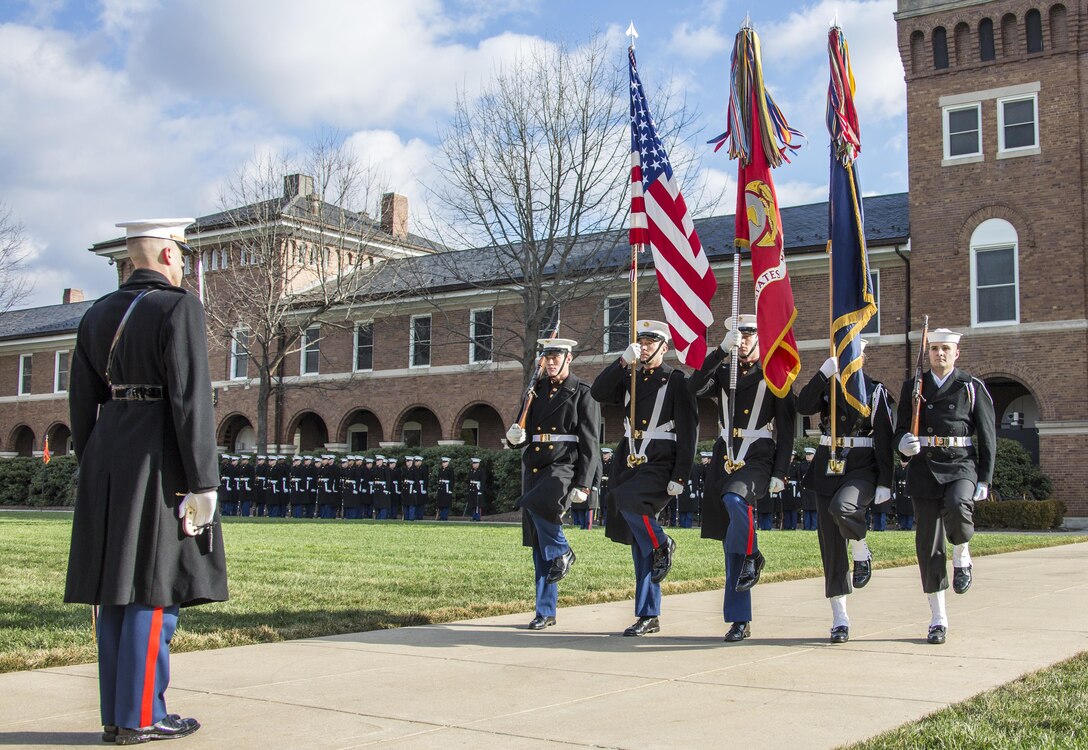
(758, 137)
(46, 455)
(852, 301)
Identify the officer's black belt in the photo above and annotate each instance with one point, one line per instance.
(137, 392)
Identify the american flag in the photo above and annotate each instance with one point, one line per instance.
(660, 219)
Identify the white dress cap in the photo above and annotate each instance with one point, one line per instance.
(944, 336)
(745, 322)
(651, 329)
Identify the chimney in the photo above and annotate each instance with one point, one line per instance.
(297, 184)
(395, 215)
(72, 295)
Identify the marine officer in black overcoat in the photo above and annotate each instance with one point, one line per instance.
(145, 536)
(759, 431)
(559, 460)
(950, 469)
(651, 463)
(845, 491)
(444, 498)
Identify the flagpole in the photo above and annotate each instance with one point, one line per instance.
(632, 459)
(834, 466)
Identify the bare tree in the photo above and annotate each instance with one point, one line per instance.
(15, 285)
(536, 174)
(300, 254)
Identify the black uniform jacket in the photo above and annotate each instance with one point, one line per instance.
(961, 407)
(446, 479)
(904, 506)
(642, 489)
(765, 457)
(872, 465)
(136, 458)
(379, 476)
(549, 470)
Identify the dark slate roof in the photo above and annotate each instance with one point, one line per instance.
(42, 321)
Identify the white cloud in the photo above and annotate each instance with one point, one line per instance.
(698, 43)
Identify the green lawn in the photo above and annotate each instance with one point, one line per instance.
(291, 579)
(1047, 710)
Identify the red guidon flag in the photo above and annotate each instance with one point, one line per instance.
(46, 455)
(660, 219)
(756, 128)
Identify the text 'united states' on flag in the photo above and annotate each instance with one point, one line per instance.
(660, 220)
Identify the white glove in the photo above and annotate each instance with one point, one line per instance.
(674, 489)
(883, 495)
(196, 510)
(577, 496)
(516, 434)
(909, 445)
(982, 491)
(829, 367)
(631, 353)
(731, 341)
(777, 485)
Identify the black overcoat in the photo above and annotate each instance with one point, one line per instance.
(549, 470)
(641, 489)
(446, 479)
(137, 458)
(765, 458)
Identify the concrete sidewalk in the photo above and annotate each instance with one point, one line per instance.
(491, 684)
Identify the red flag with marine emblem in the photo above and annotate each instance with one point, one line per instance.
(756, 128)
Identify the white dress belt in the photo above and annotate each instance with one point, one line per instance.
(547, 437)
(847, 442)
(944, 442)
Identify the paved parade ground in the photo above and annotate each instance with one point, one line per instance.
(489, 683)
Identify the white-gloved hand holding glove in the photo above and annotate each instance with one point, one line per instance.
(196, 510)
(516, 434)
(909, 445)
(576, 495)
(829, 367)
(883, 495)
(982, 491)
(631, 353)
(731, 341)
(674, 489)
(777, 485)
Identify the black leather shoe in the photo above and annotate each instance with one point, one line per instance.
(540, 622)
(561, 566)
(172, 727)
(863, 571)
(937, 634)
(644, 626)
(961, 579)
(663, 560)
(109, 733)
(840, 634)
(750, 570)
(738, 631)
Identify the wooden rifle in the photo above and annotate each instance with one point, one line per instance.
(530, 388)
(916, 395)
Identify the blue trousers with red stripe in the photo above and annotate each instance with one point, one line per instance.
(134, 662)
(648, 536)
(550, 544)
(740, 540)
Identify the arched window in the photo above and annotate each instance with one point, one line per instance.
(917, 51)
(1033, 24)
(995, 293)
(413, 434)
(470, 432)
(1059, 28)
(1008, 35)
(940, 48)
(962, 39)
(986, 50)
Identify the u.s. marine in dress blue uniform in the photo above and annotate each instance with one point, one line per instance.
(143, 428)
(759, 427)
(559, 461)
(651, 464)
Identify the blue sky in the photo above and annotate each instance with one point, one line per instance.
(125, 108)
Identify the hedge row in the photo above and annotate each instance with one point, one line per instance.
(1020, 514)
(28, 481)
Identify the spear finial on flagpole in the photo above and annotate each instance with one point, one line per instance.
(747, 21)
(835, 20)
(632, 34)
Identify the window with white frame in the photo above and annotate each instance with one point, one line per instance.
(311, 350)
(549, 321)
(419, 350)
(239, 354)
(481, 335)
(962, 134)
(186, 265)
(26, 371)
(364, 346)
(617, 323)
(995, 294)
(873, 326)
(1017, 123)
(60, 372)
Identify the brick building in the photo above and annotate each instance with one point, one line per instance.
(996, 186)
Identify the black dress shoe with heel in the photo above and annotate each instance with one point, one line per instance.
(560, 567)
(863, 571)
(644, 626)
(662, 562)
(961, 579)
(840, 634)
(170, 728)
(937, 634)
(540, 622)
(738, 631)
(750, 571)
